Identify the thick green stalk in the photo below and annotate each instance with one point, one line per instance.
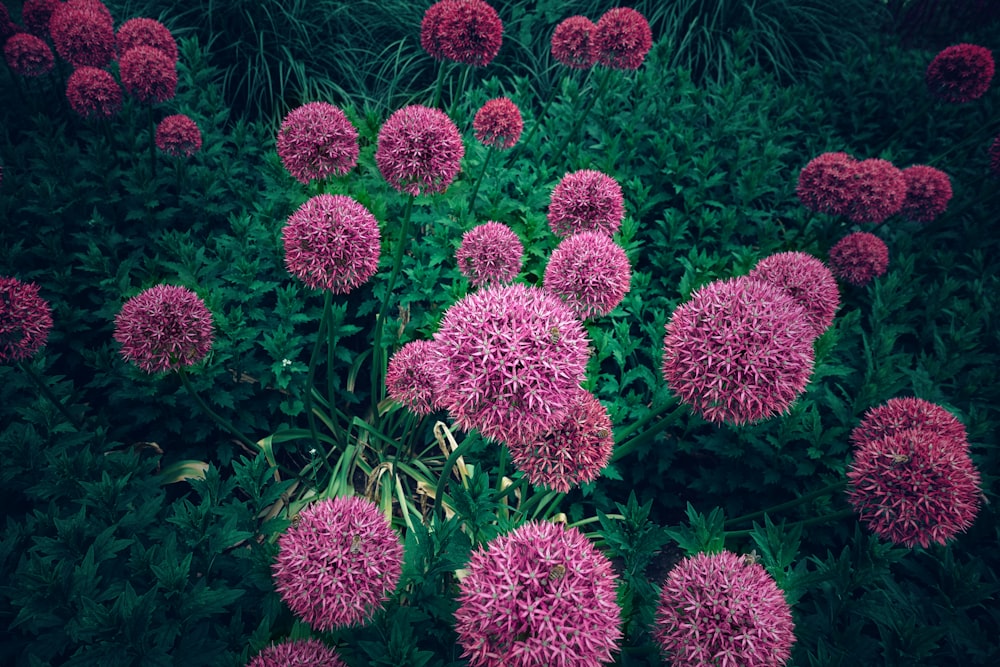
(47, 392)
(629, 446)
(225, 424)
(152, 142)
(313, 360)
(599, 93)
(482, 173)
(825, 491)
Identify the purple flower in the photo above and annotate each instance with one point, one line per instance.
(36, 15)
(490, 254)
(148, 74)
(960, 73)
(571, 42)
(859, 257)
(316, 140)
(621, 39)
(877, 191)
(297, 653)
(590, 272)
(586, 201)
(25, 319)
(900, 414)
(178, 135)
(146, 32)
(419, 150)
(825, 183)
(928, 191)
(498, 123)
(82, 34)
(807, 280)
(28, 55)
(411, 377)
(93, 92)
(164, 328)
(466, 31)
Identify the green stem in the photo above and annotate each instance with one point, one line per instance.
(445, 478)
(812, 495)
(475, 188)
(439, 85)
(211, 413)
(461, 90)
(826, 518)
(602, 87)
(526, 141)
(152, 142)
(629, 446)
(645, 419)
(47, 392)
(313, 361)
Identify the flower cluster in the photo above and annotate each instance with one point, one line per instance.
(146, 32)
(490, 254)
(585, 201)
(960, 73)
(900, 414)
(297, 653)
(807, 280)
(621, 39)
(466, 31)
(859, 257)
(25, 319)
(148, 74)
(878, 191)
(36, 15)
(83, 33)
(411, 379)
(498, 123)
(178, 135)
(316, 140)
(336, 566)
(164, 328)
(824, 183)
(93, 92)
(571, 42)
(590, 272)
(419, 150)
(928, 191)
(28, 55)
(539, 595)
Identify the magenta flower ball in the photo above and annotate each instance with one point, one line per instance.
(498, 123)
(539, 595)
(877, 192)
(859, 258)
(178, 135)
(466, 31)
(419, 150)
(928, 191)
(36, 14)
(317, 140)
(93, 92)
(807, 280)
(738, 351)
(146, 32)
(82, 34)
(148, 74)
(332, 243)
(25, 319)
(586, 201)
(297, 653)
(411, 377)
(621, 39)
(490, 254)
(901, 414)
(994, 154)
(572, 451)
(164, 328)
(336, 567)
(723, 609)
(960, 73)
(589, 272)
(824, 184)
(571, 42)
(28, 55)
(512, 359)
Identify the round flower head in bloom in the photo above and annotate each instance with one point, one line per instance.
(25, 320)
(338, 564)
(411, 379)
(723, 609)
(466, 31)
(36, 15)
(739, 351)
(164, 328)
(297, 653)
(900, 414)
(498, 123)
(915, 486)
(573, 450)
(539, 595)
(419, 150)
(859, 257)
(928, 191)
(93, 92)
(146, 32)
(490, 254)
(621, 39)
(148, 74)
(82, 35)
(586, 201)
(877, 191)
(825, 183)
(960, 73)
(995, 156)
(512, 358)
(178, 135)
(590, 272)
(316, 140)
(807, 280)
(571, 43)
(332, 242)
(28, 55)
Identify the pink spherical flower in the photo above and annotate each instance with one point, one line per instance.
(411, 378)
(164, 328)
(590, 272)
(466, 31)
(807, 280)
(539, 595)
(995, 156)
(739, 351)
(512, 359)
(338, 564)
(25, 320)
(332, 242)
(28, 55)
(490, 254)
(900, 414)
(146, 32)
(928, 191)
(317, 140)
(621, 39)
(36, 14)
(93, 92)
(586, 201)
(573, 450)
(571, 43)
(178, 135)
(95, 6)
(419, 150)
(498, 123)
(825, 183)
(297, 653)
(148, 74)
(82, 35)
(960, 73)
(859, 257)
(877, 191)
(723, 609)
(914, 486)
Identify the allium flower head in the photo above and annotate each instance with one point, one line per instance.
(82, 34)
(28, 55)
(590, 272)
(25, 320)
(807, 280)
(573, 450)
(146, 32)
(419, 150)
(877, 192)
(411, 378)
(928, 191)
(859, 257)
(571, 42)
(900, 414)
(466, 31)
(539, 595)
(960, 73)
(738, 351)
(825, 183)
(586, 201)
(148, 74)
(164, 328)
(914, 486)
(490, 254)
(332, 242)
(36, 14)
(297, 653)
(512, 358)
(178, 135)
(316, 140)
(338, 564)
(995, 156)
(621, 39)
(93, 92)
(723, 609)
(498, 123)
